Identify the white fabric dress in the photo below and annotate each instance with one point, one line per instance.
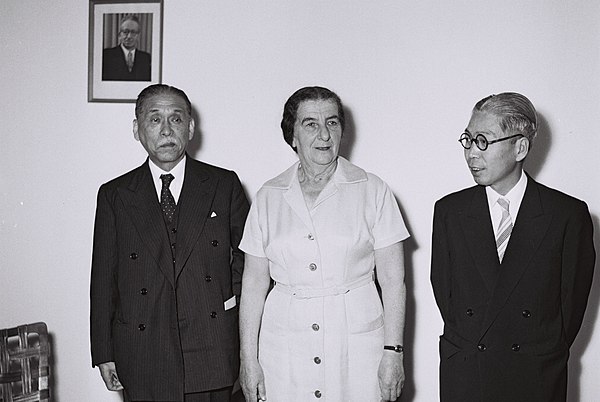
(321, 336)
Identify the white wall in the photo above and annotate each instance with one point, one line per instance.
(409, 73)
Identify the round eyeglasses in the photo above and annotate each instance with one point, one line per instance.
(480, 141)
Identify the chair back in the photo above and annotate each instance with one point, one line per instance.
(24, 369)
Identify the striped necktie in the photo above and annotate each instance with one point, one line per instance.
(505, 228)
(130, 60)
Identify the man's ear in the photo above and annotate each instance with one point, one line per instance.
(135, 130)
(192, 128)
(522, 146)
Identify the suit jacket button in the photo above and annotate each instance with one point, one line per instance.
(143, 291)
(142, 327)
(215, 243)
(470, 312)
(133, 256)
(213, 314)
(516, 347)
(481, 347)
(208, 278)
(317, 393)
(526, 313)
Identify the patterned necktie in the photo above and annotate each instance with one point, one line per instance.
(505, 228)
(130, 60)
(167, 202)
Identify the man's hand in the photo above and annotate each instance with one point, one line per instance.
(110, 377)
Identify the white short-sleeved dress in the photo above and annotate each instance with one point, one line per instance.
(321, 336)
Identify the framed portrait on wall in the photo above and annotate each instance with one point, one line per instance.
(125, 48)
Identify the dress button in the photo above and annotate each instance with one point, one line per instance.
(317, 360)
(516, 347)
(470, 312)
(318, 393)
(481, 347)
(143, 291)
(173, 246)
(526, 313)
(310, 236)
(208, 278)
(213, 314)
(173, 260)
(142, 327)
(312, 266)
(315, 327)
(173, 230)
(215, 243)
(133, 256)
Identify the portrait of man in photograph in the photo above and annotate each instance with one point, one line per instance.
(126, 61)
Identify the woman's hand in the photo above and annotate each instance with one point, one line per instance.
(252, 381)
(391, 375)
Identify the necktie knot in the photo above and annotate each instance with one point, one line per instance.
(166, 179)
(504, 204)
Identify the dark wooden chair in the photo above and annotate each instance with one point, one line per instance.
(24, 369)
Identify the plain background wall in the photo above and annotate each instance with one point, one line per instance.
(408, 72)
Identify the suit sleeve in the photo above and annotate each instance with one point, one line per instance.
(103, 286)
(238, 212)
(578, 259)
(440, 262)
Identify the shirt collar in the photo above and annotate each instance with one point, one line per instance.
(178, 173)
(345, 172)
(514, 196)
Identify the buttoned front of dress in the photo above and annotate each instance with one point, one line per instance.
(322, 325)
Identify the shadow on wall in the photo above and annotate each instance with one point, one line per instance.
(540, 149)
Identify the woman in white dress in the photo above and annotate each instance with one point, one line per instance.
(324, 230)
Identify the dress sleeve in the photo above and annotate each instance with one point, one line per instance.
(389, 227)
(252, 239)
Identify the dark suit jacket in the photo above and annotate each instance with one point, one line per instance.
(147, 316)
(114, 66)
(508, 327)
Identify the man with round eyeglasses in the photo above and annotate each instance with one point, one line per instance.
(511, 267)
(125, 62)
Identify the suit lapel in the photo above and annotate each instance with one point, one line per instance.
(479, 236)
(529, 230)
(196, 198)
(141, 203)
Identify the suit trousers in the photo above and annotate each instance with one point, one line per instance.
(218, 395)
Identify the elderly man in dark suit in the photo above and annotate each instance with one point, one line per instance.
(512, 264)
(125, 62)
(166, 268)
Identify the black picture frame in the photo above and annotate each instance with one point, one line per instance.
(110, 78)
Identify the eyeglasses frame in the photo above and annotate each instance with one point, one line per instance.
(487, 142)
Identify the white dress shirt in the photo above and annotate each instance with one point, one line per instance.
(514, 197)
(178, 173)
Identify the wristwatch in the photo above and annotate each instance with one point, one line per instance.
(397, 348)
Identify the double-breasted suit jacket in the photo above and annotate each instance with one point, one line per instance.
(508, 326)
(114, 65)
(150, 315)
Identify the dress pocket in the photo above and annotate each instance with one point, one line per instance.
(362, 327)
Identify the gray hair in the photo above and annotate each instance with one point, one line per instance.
(516, 114)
